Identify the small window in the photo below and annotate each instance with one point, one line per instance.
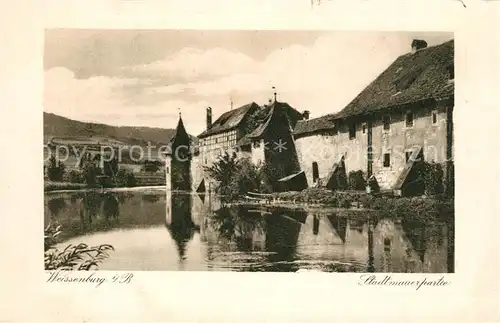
(315, 171)
(434, 117)
(387, 123)
(409, 119)
(408, 155)
(387, 160)
(352, 131)
(364, 127)
(256, 144)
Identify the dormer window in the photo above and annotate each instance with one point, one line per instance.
(405, 80)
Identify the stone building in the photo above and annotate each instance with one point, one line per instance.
(404, 114)
(262, 134)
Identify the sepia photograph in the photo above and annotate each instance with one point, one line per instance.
(249, 150)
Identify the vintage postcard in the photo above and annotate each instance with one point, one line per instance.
(192, 172)
(224, 150)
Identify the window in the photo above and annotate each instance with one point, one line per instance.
(409, 120)
(352, 131)
(387, 123)
(408, 155)
(434, 117)
(364, 127)
(315, 172)
(387, 160)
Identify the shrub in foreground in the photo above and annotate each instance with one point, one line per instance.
(72, 257)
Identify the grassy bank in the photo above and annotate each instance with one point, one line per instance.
(422, 208)
(60, 186)
(66, 186)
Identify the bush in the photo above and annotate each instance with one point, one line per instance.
(433, 179)
(356, 181)
(125, 178)
(247, 178)
(55, 169)
(73, 257)
(74, 176)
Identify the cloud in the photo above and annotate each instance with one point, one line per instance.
(102, 99)
(191, 63)
(322, 78)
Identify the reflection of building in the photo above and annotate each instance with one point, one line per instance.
(179, 222)
(293, 238)
(411, 247)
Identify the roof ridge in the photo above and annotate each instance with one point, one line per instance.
(428, 47)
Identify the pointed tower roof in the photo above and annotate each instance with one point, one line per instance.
(180, 132)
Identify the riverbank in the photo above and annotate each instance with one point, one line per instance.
(317, 199)
(64, 187)
(49, 186)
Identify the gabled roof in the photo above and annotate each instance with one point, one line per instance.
(229, 120)
(412, 77)
(320, 124)
(280, 112)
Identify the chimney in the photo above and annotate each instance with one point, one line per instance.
(209, 118)
(417, 44)
(305, 115)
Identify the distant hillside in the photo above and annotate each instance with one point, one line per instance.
(58, 127)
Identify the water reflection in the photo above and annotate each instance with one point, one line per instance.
(180, 224)
(242, 238)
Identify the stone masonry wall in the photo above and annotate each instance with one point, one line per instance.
(326, 148)
(400, 139)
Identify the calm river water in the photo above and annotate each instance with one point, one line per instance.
(153, 230)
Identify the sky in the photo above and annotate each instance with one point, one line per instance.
(146, 77)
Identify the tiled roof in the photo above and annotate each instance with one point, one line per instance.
(315, 125)
(244, 141)
(413, 77)
(279, 112)
(229, 120)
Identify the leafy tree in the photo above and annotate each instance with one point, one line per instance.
(55, 169)
(269, 176)
(235, 177)
(223, 172)
(111, 168)
(357, 180)
(74, 176)
(246, 178)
